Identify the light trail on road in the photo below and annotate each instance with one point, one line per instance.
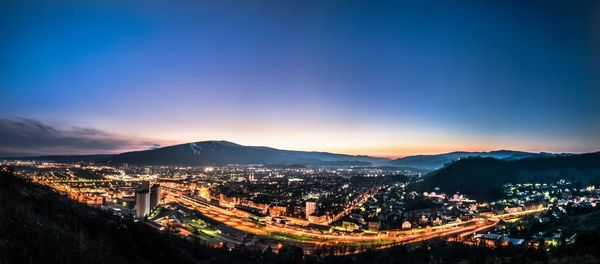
(241, 220)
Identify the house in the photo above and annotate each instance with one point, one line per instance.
(489, 240)
(507, 241)
(318, 218)
(374, 225)
(275, 210)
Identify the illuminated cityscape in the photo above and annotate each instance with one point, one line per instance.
(259, 207)
(311, 132)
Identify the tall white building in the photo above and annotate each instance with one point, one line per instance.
(142, 204)
(155, 195)
(311, 207)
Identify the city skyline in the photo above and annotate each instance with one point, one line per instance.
(382, 79)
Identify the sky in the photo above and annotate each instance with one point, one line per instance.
(380, 78)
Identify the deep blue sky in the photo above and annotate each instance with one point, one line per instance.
(369, 77)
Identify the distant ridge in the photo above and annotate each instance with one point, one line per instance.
(207, 153)
(432, 162)
(221, 152)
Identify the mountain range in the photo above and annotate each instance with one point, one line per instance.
(206, 153)
(225, 152)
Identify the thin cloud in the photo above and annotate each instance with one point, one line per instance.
(23, 136)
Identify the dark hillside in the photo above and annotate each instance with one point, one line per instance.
(483, 178)
(38, 225)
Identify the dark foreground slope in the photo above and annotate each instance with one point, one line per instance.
(38, 225)
(483, 178)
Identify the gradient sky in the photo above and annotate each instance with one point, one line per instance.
(358, 77)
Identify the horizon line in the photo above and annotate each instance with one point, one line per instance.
(285, 149)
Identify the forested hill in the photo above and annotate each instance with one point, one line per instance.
(482, 178)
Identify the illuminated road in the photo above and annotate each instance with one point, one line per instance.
(298, 232)
(301, 234)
